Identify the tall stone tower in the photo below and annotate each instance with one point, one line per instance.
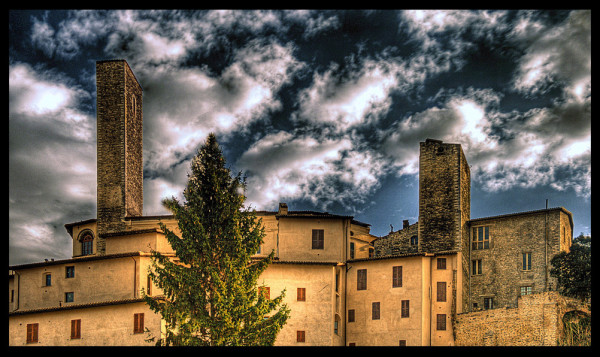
(444, 197)
(119, 136)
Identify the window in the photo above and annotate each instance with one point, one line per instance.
(481, 238)
(402, 343)
(336, 324)
(397, 277)
(351, 344)
(476, 267)
(414, 240)
(527, 261)
(317, 239)
(351, 250)
(301, 295)
(441, 322)
(441, 291)
(375, 311)
(69, 297)
(70, 272)
(405, 309)
(47, 279)
(12, 295)
(75, 329)
(371, 252)
(361, 279)
(441, 263)
(526, 290)
(138, 323)
(300, 336)
(265, 291)
(32, 333)
(488, 303)
(87, 247)
(351, 315)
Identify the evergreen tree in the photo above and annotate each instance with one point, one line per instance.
(211, 295)
(573, 270)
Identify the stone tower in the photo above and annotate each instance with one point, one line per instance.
(119, 136)
(444, 197)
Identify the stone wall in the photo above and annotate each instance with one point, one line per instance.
(537, 321)
(119, 131)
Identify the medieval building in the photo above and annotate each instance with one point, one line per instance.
(344, 286)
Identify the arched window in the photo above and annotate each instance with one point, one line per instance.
(87, 242)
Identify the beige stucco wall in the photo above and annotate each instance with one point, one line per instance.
(295, 239)
(100, 326)
(316, 315)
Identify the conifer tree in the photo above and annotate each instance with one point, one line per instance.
(211, 296)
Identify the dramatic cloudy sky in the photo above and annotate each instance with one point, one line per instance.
(323, 110)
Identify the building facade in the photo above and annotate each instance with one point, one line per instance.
(343, 285)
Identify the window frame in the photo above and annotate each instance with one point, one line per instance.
(47, 279)
(376, 310)
(526, 258)
(441, 288)
(440, 322)
(70, 294)
(477, 263)
(301, 294)
(480, 238)
(300, 336)
(405, 308)
(351, 315)
(69, 271)
(441, 263)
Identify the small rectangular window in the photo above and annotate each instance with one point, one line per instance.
(441, 263)
(318, 239)
(526, 290)
(397, 277)
(375, 311)
(138, 323)
(69, 297)
(441, 322)
(488, 303)
(301, 294)
(75, 329)
(402, 343)
(441, 291)
(405, 312)
(149, 285)
(526, 261)
(32, 333)
(70, 272)
(300, 336)
(351, 315)
(351, 250)
(476, 267)
(47, 279)
(361, 279)
(481, 238)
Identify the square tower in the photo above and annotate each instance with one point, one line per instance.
(120, 157)
(444, 197)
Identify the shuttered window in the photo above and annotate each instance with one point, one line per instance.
(405, 309)
(138, 323)
(32, 333)
(75, 329)
(441, 291)
(300, 336)
(361, 279)
(397, 277)
(301, 295)
(375, 311)
(441, 322)
(318, 239)
(351, 315)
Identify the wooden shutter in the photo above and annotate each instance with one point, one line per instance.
(441, 291)
(351, 315)
(32, 333)
(375, 311)
(138, 323)
(397, 277)
(75, 329)
(301, 294)
(300, 336)
(318, 239)
(441, 322)
(361, 279)
(405, 309)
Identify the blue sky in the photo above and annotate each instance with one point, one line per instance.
(323, 110)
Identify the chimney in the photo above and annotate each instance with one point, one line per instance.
(405, 224)
(283, 208)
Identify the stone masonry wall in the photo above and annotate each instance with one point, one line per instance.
(537, 321)
(119, 132)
